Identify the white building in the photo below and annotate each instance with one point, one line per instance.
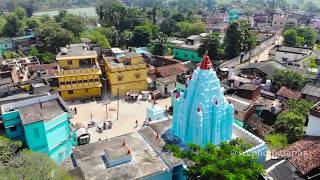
(166, 85)
(313, 128)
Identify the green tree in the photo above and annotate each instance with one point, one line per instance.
(14, 26)
(114, 13)
(21, 13)
(309, 35)
(125, 38)
(219, 162)
(290, 37)
(277, 141)
(160, 46)
(238, 39)
(141, 35)
(288, 78)
(291, 124)
(53, 37)
(112, 35)
(299, 107)
(300, 37)
(96, 37)
(10, 55)
(47, 57)
(8, 149)
(168, 26)
(23, 164)
(62, 14)
(187, 28)
(33, 52)
(33, 23)
(211, 43)
(75, 24)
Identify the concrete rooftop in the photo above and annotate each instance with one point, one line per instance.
(89, 158)
(45, 111)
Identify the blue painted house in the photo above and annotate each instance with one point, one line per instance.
(5, 44)
(42, 123)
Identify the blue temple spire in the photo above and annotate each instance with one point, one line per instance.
(201, 113)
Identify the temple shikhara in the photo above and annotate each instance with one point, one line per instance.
(202, 113)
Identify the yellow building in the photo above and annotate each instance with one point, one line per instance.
(79, 74)
(127, 73)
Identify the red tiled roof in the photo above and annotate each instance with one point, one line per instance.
(288, 93)
(303, 154)
(259, 127)
(170, 70)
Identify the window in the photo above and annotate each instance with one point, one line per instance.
(284, 59)
(69, 62)
(236, 112)
(90, 80)
(70, 92)
(86, 90)
(36, 133)
(80, 81)
(13, 128)
(186, 55)
(192, 56)
(85, 81)
(74, 82)
(96, 80)
(62, 83)
(176, 53)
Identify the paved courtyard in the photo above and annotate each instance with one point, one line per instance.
(129, 112)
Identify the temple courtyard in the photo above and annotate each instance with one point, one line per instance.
(129, 113)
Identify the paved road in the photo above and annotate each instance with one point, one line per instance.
(263, 56)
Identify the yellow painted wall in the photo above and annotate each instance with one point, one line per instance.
(127, 76)
(134, 60)
(75, 62)
(125, 87)
(80, 93)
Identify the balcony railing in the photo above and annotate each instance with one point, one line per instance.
(72, 72)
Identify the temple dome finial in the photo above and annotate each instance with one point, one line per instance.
(206, 62)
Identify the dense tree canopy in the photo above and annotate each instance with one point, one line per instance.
(143, 34)
(288, 78)
(97, 37)
(187, 28)
(212, 45)
(15, 23)
(219, 162)
(300, 37)
(299, 107)
(238, 39)
(75, 24)
(160, 45)
(168, 26)
(53, 36)
(16, 163)
(290, 37)
(290, 124)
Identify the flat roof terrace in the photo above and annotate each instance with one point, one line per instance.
(75, 51)
(45, 111)
(145, 162)
(42, 108)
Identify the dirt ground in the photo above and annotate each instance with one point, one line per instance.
(129, 113)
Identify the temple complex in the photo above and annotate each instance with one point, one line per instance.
(202, 113)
